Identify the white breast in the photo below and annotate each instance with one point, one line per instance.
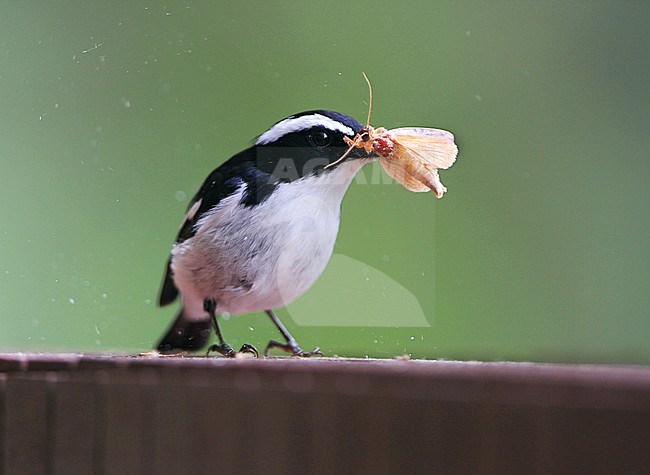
(265, 256)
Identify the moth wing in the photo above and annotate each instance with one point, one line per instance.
(434, 148)
(423, 131)
(413, 175)
(398, 172)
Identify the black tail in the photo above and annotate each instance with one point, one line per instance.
(185, 335)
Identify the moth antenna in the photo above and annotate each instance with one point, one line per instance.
(357, 139)
(370, 101)
(355, 143)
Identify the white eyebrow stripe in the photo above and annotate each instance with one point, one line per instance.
(293, 124)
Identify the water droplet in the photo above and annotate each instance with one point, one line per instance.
(180, 195)
(71, 300)
(412, 338)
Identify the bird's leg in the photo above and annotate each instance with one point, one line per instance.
(224, 348)
(210, 306)
(291, 346)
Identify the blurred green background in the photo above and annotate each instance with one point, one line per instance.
(112, 113)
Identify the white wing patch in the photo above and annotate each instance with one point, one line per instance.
(192, 212)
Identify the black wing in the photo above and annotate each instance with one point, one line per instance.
(243, 168)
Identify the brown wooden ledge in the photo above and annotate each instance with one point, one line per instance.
(76, 413)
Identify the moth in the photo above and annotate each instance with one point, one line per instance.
(412, 156)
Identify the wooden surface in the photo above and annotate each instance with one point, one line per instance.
(120, 414)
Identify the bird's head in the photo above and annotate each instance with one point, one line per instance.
(304, 144)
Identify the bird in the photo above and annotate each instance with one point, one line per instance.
(260, 231)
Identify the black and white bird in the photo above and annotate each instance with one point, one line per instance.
(261, 230)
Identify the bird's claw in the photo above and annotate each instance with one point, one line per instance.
(227, 351)
(246, 348)
(293, 348)
(223, 349)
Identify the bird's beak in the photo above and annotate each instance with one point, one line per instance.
(360, 152)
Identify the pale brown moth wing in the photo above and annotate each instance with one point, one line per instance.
(433, 147)
(424, 131)
(410, 172)
(401, 171)
(414, 165)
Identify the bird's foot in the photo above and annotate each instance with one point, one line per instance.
(293, 348)
(227, 351)
(223, 349)
(246, 348)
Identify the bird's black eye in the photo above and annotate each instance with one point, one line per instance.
(320, 138)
